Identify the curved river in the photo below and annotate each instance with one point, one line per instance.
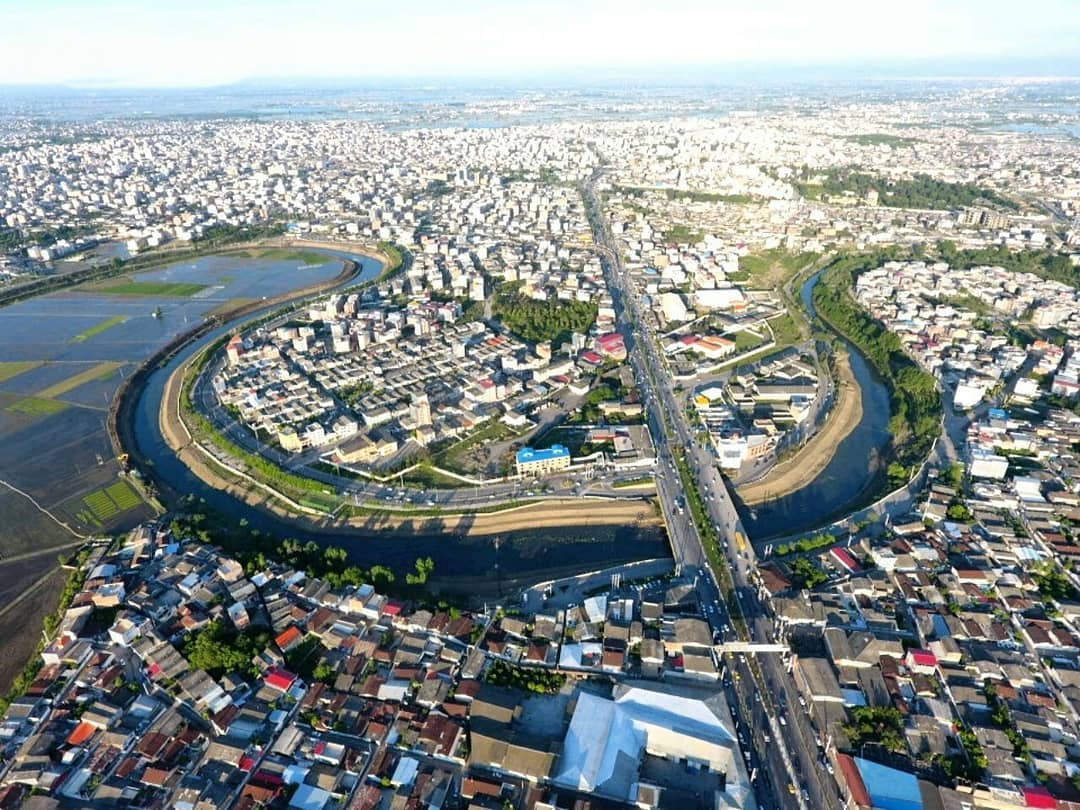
(527, 555)
(853, 469)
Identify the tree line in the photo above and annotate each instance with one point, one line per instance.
(920, 191)
(256, 551)
(915, 401)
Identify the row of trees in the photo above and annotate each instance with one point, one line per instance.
(915, 399)
(228, 234)
(807, 544)
(256, 550)
(529, 678)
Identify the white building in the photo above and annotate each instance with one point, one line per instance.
(968, 395)
(609, 741)
(673, 307)
(721, 298)
(986, 464)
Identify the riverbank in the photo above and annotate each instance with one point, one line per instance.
(852, 472)
(244, 486)
(915, 399)
(540, 514)
(554, 513)
(811, 459)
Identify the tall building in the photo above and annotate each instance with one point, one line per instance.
(420, 410)
(542, 462)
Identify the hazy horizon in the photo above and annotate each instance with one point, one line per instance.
(123, 44)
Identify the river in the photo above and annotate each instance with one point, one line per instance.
(851, 472)
(525, 555)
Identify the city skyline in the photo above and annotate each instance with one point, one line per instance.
(121, 44)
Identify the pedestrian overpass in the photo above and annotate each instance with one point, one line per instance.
(749, 647)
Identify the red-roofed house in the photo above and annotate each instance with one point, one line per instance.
(82, 733)
(612, 345)
(289, 638)
(921, 661)
(280, 679)
(849, 777)
(846, 561)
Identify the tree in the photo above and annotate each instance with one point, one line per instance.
(958, 512)
(218, 650)
(424, 567)
(876, 724)
(324, 672)
(381, 574)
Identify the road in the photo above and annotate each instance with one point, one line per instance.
(759, 690)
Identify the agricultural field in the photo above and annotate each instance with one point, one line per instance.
(57, 451)
(106, 504)
(37, 406)
(97, 329)
(147, 289)
(26, 529)
(231, 305)
(99, 371)
(14, 574)
(14, 369)
(19, 644)
(289, 254)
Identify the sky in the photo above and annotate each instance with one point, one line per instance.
(166, 43)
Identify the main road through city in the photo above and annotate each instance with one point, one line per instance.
(773, 729)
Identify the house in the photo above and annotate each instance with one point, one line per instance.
(289, 639)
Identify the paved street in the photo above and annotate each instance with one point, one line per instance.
(760, 692)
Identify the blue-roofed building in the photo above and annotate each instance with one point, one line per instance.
(532, 461)
(889, 788)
